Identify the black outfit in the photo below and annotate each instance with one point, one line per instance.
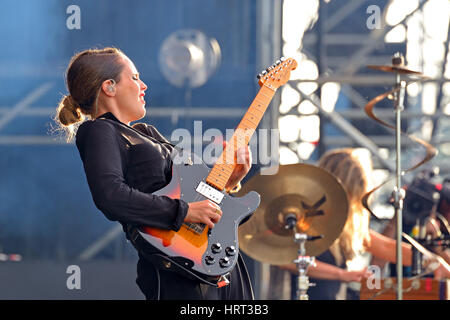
(123, 166)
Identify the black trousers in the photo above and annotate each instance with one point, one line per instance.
(173, 286)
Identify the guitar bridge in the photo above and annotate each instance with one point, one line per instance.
(197, 228)
(209, 192)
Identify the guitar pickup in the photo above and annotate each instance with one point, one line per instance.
(209, 192)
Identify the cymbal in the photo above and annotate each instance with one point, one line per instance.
(316, 198)
(397, 69)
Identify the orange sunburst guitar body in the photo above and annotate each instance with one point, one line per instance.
(214, 252)
(183, 242)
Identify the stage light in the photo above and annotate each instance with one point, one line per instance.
(289, 128)
(188, 58)
(289, 98)
(329, 95)
(306, 107)
(396, 35)
(305, 149)
(287, 156)
(310, 128)
(399, 9)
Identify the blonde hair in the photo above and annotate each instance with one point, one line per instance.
(352, 168)
(85, 74)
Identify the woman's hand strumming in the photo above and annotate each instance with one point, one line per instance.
(205, 211)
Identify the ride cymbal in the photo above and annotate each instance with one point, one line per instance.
(397, 66)
(316, 198)
(396, 69)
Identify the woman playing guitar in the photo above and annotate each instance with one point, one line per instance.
(125, 164)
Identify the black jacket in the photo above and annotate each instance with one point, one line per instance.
(123, 166)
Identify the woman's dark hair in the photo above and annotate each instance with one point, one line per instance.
(85, 74)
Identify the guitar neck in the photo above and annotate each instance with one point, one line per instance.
(221, 172)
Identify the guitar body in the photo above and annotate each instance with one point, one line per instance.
(192, 249)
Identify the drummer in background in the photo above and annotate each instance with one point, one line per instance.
(436, 226)
(330, 274)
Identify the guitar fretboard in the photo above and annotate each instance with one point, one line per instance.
(223, 168)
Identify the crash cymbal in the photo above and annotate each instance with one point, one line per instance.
(397, 69)
(316, 198)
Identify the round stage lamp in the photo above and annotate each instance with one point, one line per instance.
(187, 58)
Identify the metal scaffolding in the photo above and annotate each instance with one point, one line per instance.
(323, 44)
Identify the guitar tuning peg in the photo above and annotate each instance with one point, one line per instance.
(282, 59)
(262, 74)
(278, 62)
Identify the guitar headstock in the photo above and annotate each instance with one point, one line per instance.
(278, 74)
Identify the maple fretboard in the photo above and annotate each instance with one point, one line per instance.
(226, 163)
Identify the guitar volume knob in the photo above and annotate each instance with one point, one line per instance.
(224, 262)
(216, 247)
(209, 260)
(230, 251)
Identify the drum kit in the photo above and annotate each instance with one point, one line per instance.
(304, 208)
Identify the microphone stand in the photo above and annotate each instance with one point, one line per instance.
(398, 192)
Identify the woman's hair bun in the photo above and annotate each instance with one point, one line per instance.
(85, 75)
(68, 112)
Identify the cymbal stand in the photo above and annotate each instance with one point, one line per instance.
(398, 193)
(303, 262)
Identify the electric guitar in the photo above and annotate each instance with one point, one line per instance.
(196, 247)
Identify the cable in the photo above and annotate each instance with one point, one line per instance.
(158, 295)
